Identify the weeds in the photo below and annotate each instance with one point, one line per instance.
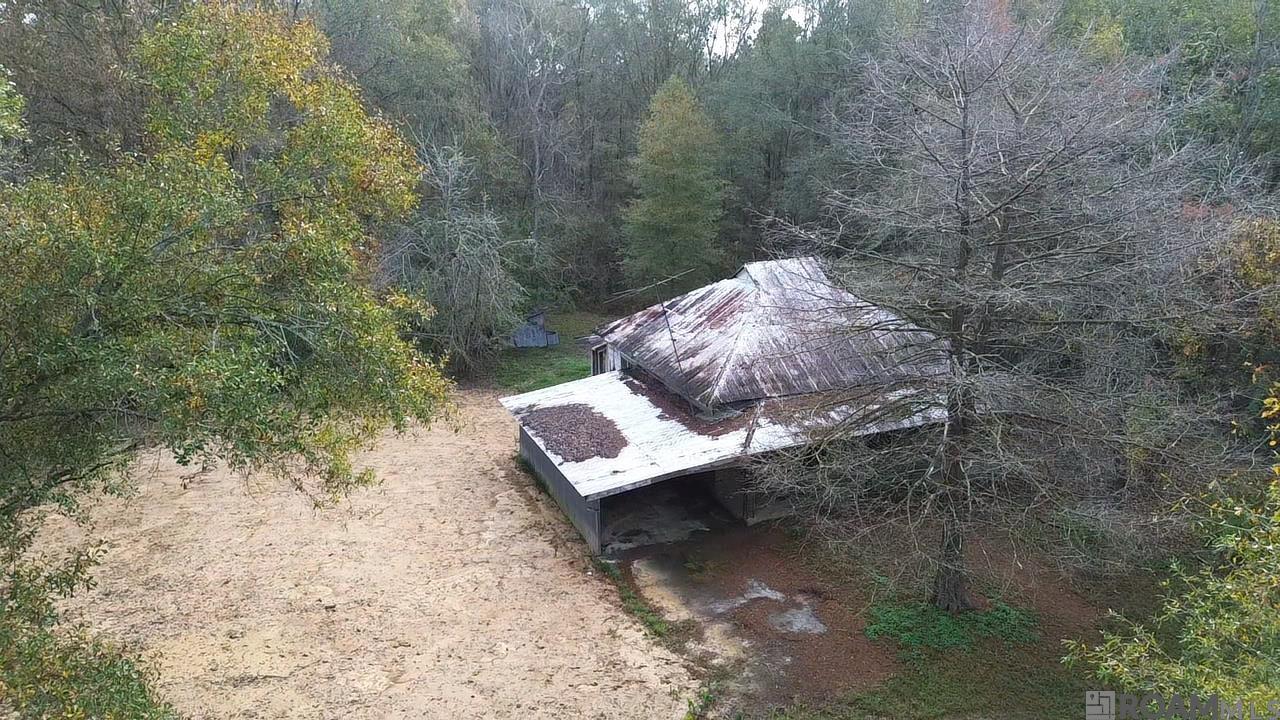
(920, 625)
(698, 567)
(701, 704)
(635, 605)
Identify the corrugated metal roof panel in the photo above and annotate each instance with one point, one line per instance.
(643, 434)
(775, 329)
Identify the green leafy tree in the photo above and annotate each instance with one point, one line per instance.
(1220, 633)
(1223, 54)
(207, 296)
(71, 61)
(409, 57)
(13, 130)
(11, 107)
(672, 227)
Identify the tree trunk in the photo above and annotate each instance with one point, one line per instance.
(951, 583)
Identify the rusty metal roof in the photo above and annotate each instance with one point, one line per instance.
(775, 329)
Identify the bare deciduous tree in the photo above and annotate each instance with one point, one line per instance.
(456, 258)
(1026, 207)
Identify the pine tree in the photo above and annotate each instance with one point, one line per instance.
(671, 227)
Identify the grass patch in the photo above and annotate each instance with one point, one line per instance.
(979, 664)
(917, 625)
(635, 605)
(523, 370)
(526, 369)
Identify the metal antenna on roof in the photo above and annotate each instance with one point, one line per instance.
(672, 335)
(633, 292)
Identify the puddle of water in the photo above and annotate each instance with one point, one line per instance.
(756, 590)
(798, 620)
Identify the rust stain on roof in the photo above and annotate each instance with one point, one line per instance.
(776, 329)
(674, 407)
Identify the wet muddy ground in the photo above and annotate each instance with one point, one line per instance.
(777, 632)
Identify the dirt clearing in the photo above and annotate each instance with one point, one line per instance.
(450, 591)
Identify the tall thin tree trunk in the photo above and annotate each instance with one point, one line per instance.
(951, 582)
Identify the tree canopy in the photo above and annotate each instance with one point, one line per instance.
(673, 225)
(206, 295)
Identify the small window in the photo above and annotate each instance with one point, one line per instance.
(598, 360)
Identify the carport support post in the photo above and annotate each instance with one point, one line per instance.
(596, 512)
(730, 491)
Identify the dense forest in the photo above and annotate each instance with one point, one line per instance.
(550, 116)
(258, 233)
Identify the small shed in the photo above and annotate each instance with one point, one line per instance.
(534, 333)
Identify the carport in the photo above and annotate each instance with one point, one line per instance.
(616, 432)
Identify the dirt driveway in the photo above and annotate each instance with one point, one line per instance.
(450, 591)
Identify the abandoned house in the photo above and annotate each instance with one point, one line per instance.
(692, 388)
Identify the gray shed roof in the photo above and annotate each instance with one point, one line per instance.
(777, 328)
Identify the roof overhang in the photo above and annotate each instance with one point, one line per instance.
(615, 432)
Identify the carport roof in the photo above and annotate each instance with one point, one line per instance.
(619, 431)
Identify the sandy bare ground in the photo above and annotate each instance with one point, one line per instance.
(450, 591)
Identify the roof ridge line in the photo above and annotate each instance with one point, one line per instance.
(733, 351)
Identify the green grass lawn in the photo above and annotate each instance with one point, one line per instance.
(525, 369)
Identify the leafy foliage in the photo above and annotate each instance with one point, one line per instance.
(1223, 55)
(11, 107)
(408, 57)
(50, 670)
(672, 226)
(191, 299)
(1218, 629)
(13, 130)
(1219, 632)
(207, 296)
